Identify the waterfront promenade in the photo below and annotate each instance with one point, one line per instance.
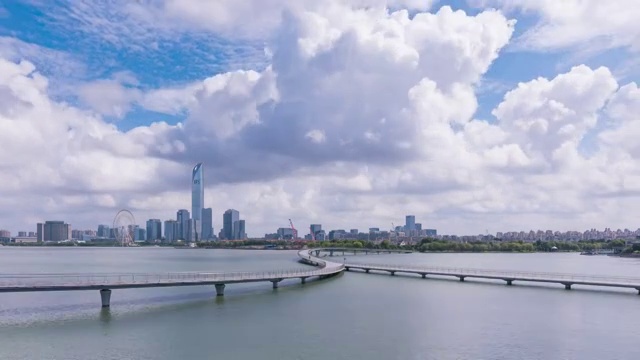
(105, 283)
(509, 277)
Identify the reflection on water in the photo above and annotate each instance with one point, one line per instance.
(105, 315)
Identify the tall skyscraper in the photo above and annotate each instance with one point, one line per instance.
(171, 230)
(197, 200)
(154, 229)
(184, 225)
(207, 224)
(410, 223)
(228, 219)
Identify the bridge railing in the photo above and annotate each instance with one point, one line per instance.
(324, 267)
(498, 273)
(28, 280)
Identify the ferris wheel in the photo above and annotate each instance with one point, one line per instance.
(123, 226)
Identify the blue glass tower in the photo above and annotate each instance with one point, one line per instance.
(197, 200)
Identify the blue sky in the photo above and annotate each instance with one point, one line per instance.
(159, 61)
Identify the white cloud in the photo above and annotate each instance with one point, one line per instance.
(579, 23)
(112, 97)
(316, 136)
(363, 115)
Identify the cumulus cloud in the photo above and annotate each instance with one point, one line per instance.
(578, 23)
(363, 114)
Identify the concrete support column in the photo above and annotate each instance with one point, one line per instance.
(275, 283)
(424, 275)
(567, 286)
(346, 268)
(366, 270)
(303, 280)
(219, 289)
(461, 278)
(638, 291)
(509, 281)
(105, 296)
(393, 273)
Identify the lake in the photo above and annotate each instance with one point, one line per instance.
(352, 316)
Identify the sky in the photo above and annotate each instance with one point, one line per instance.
(473, 115)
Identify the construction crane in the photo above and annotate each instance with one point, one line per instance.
(293, 230)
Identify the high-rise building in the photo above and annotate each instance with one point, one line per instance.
(353, 232)
(228, 220)
(184, 225)
(207, 224)
(154, 229)
(53, 231)
(418, 227)
(197, 200)
(431, 232)
(5, 233)
(32, 234)
(171, 230)
(241, 233)
(22, 234)
(410, 223)
(139, 234)
(285, 233)
(104, 231)
(315, 228)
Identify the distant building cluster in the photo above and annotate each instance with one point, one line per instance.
(197, 225)
(549, 235)
(409, 231)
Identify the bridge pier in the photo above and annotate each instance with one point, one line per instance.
(424, 276)
(105, 296)
(303, 280)
(638, 290)
(461, 278)
(393, 273)
(367, 271)
(331, 253)
(275, 283)
(346, 268)
(219, 289)
(509, 281)
(567, 286)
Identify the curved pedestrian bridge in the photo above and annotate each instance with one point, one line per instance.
(509, 277)
(107, 282)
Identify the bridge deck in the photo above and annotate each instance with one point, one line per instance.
(109, 281)
(504, 275)
(62, 282)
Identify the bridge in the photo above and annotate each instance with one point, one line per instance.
(509, 277)
(105, 283)
(356, 251)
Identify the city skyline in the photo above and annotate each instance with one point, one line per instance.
(472, 115)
